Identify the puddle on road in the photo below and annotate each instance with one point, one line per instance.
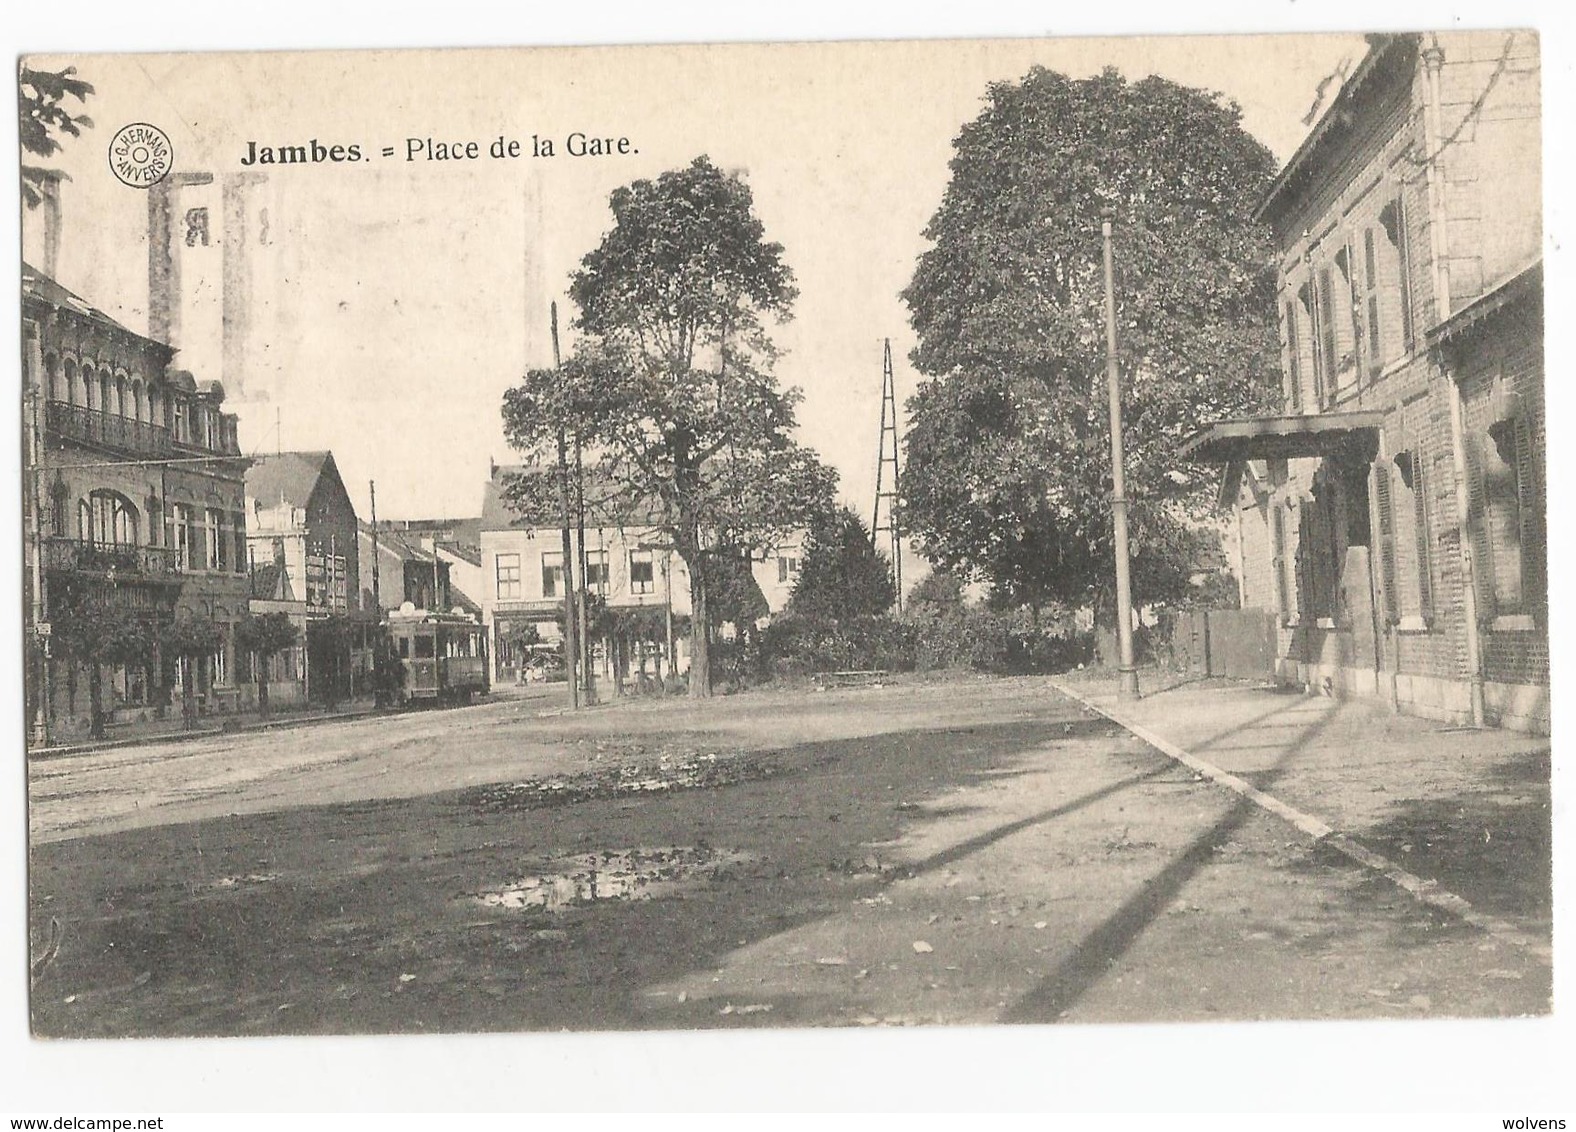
(629, 874)
(249, 878)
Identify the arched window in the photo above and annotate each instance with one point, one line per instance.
(110, 519)
(51, 378)
(106, 392)
(73, 391)
(89, 387)
(137, 400)
(120, 395)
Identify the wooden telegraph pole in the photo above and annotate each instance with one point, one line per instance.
(1127, 688)
(571, 650)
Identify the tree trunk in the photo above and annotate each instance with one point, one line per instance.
(262, 685)
(700, 635)
(96, 701)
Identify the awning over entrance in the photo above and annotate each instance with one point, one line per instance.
(1283, 438)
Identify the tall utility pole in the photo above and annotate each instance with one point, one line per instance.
(587, 675)
(377, 596)
(1127, 688)
(567, 574)
(887, 458)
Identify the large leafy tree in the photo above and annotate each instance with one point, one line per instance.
(45, 115)
(671, 390)
(93, 631)
(1008, 472)
(264, 635)
(843, 576)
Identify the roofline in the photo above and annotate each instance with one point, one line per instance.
(1380, 46)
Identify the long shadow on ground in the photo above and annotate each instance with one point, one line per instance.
(1494, 846)
(366, 918)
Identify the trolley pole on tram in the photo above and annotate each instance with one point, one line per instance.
(571, 651)
(1127, 688)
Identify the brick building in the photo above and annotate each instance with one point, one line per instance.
(303, 540)
(1392, 519)
(137, 503)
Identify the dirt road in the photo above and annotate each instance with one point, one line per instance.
(949, 852)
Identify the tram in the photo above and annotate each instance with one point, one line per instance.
(444, 655)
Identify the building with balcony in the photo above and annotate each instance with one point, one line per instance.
(1391, 520)
(136, 509)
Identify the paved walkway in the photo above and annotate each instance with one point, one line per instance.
(174, 729)
(1467, 812)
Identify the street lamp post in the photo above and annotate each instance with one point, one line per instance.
(1127, 688)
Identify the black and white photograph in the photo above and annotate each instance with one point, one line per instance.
(1039, 533)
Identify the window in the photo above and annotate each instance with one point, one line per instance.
(108, 520)
(1507, 538)
(424, 648)
(1350, 333)
(58, 514)
(182, 519)
(1280, 562)
(1308, 301)
(1397, 257)
(404, 648)
(642, 572)
(213, 559)
(596, 570)
(552, 572)
(508, 568)
(1415, 478)
(238, 537)
(220, 662)
(1374, 346)
(787, 567)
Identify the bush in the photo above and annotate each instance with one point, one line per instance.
(927, 638)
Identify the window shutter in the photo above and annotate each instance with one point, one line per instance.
(1354, 307)
(1293, 360)
(1477, 528)
(1332, 355)
(1371, 290)
(1384, 498)
(1420, 528)
(1316, 331)
(1404, 248)
(1530, 505)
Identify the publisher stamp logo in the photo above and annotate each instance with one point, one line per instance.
(140, 155)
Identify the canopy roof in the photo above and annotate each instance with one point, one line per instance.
(1282, 438)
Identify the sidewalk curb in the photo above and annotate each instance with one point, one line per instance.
(1425, 891)
(75, 749)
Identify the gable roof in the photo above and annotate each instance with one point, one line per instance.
(288, 477)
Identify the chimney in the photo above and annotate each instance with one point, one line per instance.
(50, 189)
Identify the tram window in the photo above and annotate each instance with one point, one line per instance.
(424, 648)
(404, 648)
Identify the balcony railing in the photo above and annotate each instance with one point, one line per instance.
(110, 430)
(133, 563)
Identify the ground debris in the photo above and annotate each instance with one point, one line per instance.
(692, 771)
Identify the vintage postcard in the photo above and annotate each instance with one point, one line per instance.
(785, 535)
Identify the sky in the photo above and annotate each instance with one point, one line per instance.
(412, 293)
